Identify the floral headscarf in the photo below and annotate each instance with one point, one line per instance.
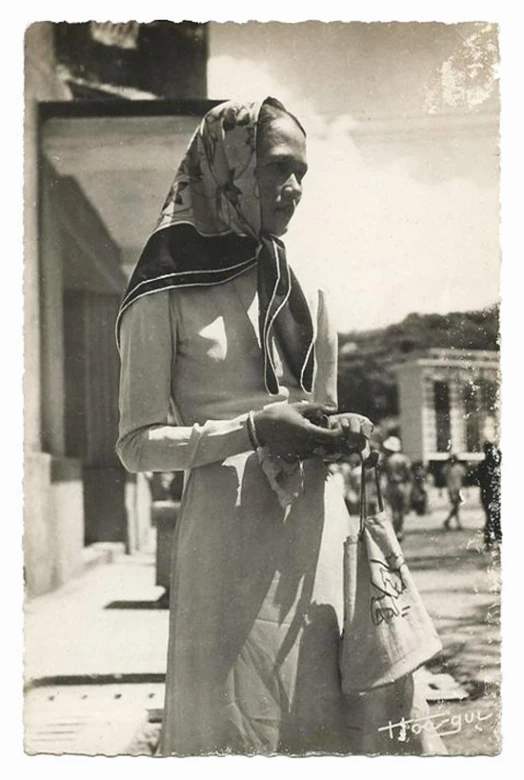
(209, 233)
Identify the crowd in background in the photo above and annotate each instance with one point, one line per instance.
(405, 485)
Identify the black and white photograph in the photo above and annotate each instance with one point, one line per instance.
(263, 447)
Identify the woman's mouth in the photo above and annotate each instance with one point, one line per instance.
(287, 211)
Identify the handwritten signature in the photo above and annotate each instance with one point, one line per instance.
(435, 722)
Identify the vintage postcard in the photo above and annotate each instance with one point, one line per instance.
(262, 383)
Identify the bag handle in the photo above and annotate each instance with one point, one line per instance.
(371, 462)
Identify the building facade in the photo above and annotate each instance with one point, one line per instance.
(449, 403)
(95, 175)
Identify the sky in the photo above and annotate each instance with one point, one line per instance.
(400, 210)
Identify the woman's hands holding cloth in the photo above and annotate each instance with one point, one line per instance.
(302, 430)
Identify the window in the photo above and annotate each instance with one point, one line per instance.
(442, 415)
(480, 411)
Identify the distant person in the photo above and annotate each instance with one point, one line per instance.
(488, 477)
(166, 485)
(399, 481)
(419, 493)
(454, 474)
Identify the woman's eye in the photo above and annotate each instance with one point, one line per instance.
(282, 168)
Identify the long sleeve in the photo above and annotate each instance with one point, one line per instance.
(148, 441)
(325, 384)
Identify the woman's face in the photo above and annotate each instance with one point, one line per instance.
(281, 166)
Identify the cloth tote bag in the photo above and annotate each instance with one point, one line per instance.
(387, 633)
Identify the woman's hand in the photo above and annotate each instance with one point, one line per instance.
(298, 430)
(357, 431)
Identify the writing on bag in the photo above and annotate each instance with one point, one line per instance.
(389, 583)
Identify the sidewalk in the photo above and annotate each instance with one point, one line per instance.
(96, 649)
(95, 660)
(105, 623)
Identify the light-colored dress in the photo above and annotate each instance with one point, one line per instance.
(256, 596)
(257, 589)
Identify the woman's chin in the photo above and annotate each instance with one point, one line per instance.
(279, 223)
(280, 228)
(274, 232)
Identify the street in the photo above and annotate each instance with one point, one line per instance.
(460, 585)
(95, 682)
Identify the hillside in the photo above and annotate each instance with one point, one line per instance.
(366, 379)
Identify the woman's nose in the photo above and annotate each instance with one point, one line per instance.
(292, 188)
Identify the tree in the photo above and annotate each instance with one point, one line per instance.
(367, 360)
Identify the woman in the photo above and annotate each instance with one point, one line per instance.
(419, 494)
(229, 373)
(488, 477)
(399, 476)
(454, 474)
